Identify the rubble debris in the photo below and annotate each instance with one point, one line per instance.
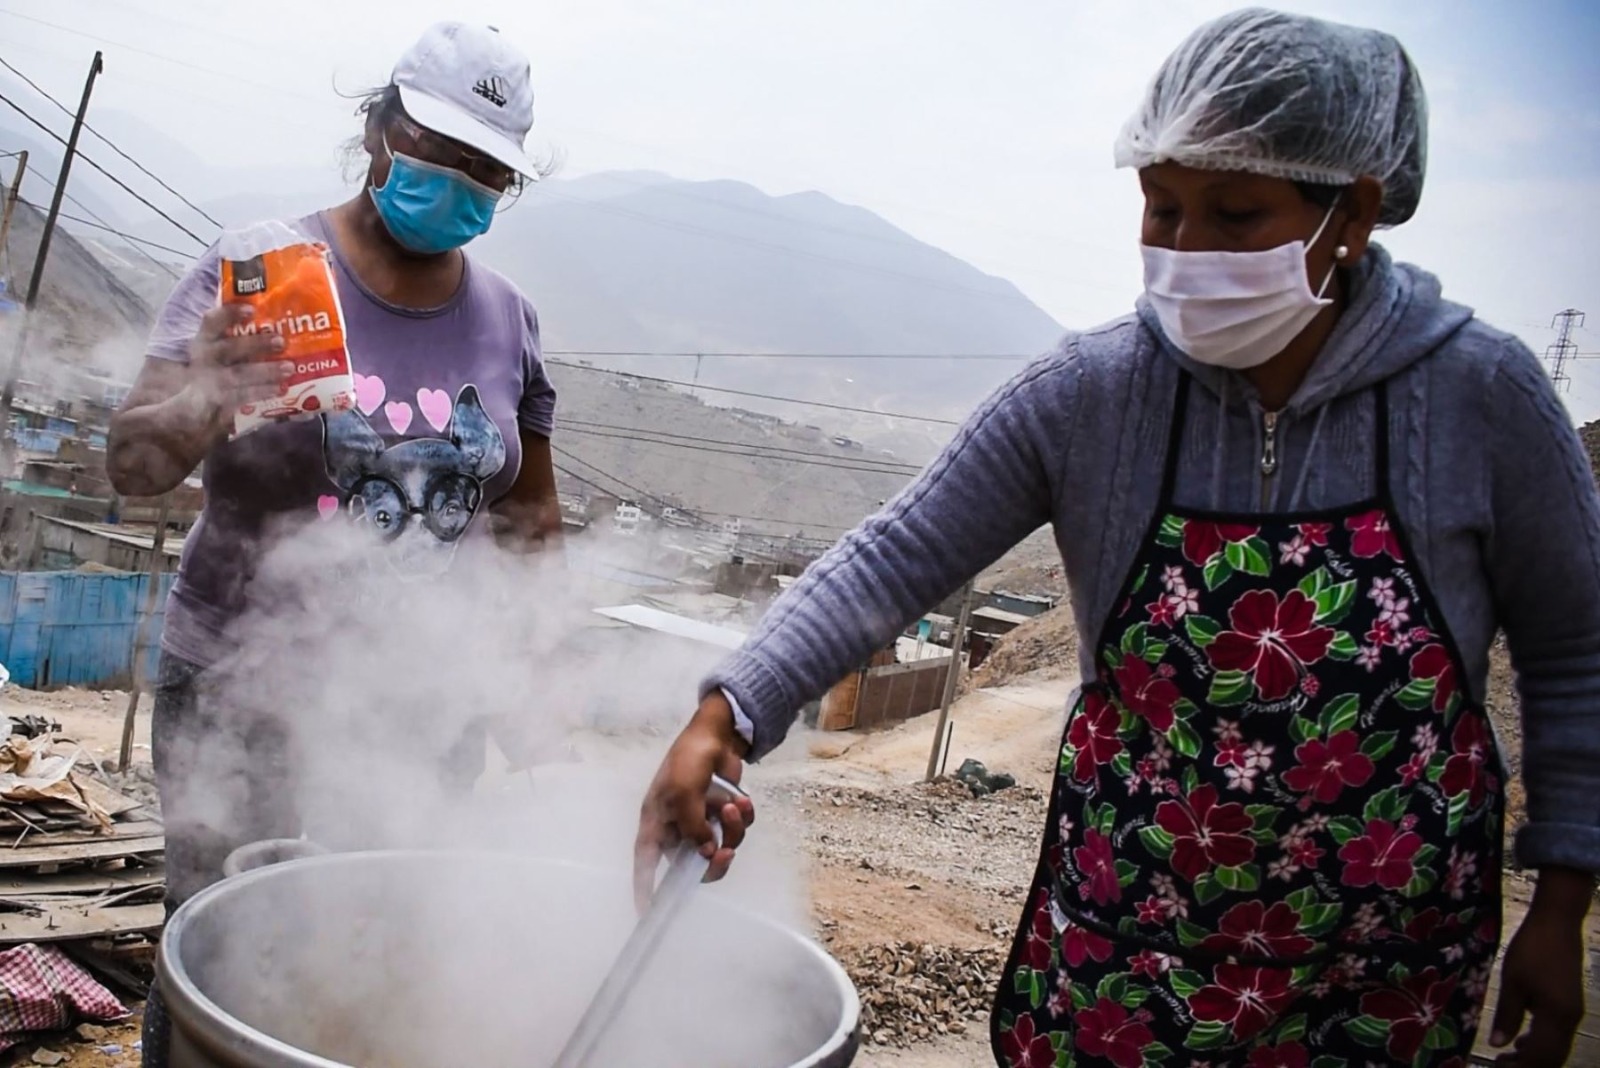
(88, 1032)
(81, 863)
(31, 771)
(980, 780)
(32, 726)
(914, 992)
(48, 1057)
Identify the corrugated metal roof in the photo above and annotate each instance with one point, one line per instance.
(172, 546)
(647, 618)
(1000, 615)
(30, 489)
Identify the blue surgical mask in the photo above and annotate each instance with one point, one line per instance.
(431, 209)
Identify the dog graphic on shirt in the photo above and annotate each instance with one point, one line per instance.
(419, 495)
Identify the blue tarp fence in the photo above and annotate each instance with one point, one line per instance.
(62, 628)
(48, 441)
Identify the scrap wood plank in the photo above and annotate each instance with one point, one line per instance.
(67, 923)
(103, 848)
(120, 830)
(115, 802)
(113, 880)
(21, 821)
(134, 948)
(110, 969)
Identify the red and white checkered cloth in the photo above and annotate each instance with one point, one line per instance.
(41, 989)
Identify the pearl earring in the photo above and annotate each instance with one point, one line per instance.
(1340, 253)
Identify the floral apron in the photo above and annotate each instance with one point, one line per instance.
(1275, 829)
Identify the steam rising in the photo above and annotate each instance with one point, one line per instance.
(371, 680)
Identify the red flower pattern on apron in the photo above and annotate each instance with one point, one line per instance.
(1275, 829)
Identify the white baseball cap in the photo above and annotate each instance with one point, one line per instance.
(470, 84)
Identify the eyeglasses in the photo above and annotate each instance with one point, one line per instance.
(436, 148)
(446, 504)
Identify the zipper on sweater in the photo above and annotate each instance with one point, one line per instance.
(1269, 456)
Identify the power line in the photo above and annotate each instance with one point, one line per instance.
(606, 474)
(781, 522)
(105, 225)
(745, 473)
(124, 186)
(901, 466)
(166, 268)
(113, 146)
(620, 353)
(570, 473)
(109, 229)
(758, 396)
(729, 452)
(753, 456)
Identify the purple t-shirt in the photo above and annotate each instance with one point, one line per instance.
(441, 395)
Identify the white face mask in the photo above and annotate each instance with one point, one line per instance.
(1234, 309)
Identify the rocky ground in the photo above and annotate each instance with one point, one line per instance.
(1032, 567)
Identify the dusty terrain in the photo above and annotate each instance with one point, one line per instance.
(1032, 567)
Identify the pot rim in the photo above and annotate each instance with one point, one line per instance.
(228, 1035)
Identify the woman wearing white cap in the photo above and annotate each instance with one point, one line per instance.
(450, 430)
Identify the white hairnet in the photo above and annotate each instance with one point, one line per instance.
(1289, 97)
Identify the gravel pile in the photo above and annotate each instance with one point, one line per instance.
(912, 992)
(933, 832)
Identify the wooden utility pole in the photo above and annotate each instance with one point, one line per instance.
(8, 395)
(950, 679)
(11, 201)
(61, 184)
(141, 640)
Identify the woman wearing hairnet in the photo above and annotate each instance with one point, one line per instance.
(1297, 493)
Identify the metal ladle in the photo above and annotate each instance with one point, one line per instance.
(687, 871)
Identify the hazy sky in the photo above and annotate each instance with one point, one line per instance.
(984, 128)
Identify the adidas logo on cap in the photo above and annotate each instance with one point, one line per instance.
(491, 89)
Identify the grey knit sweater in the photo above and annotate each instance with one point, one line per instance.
(1491, 482)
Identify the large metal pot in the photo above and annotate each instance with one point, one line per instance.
(437, 960)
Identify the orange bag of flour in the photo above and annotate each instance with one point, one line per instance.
(288, 278)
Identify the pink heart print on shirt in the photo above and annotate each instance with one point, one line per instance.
(327, 507)
(370, 392)
(399, 413)
(434, 404)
